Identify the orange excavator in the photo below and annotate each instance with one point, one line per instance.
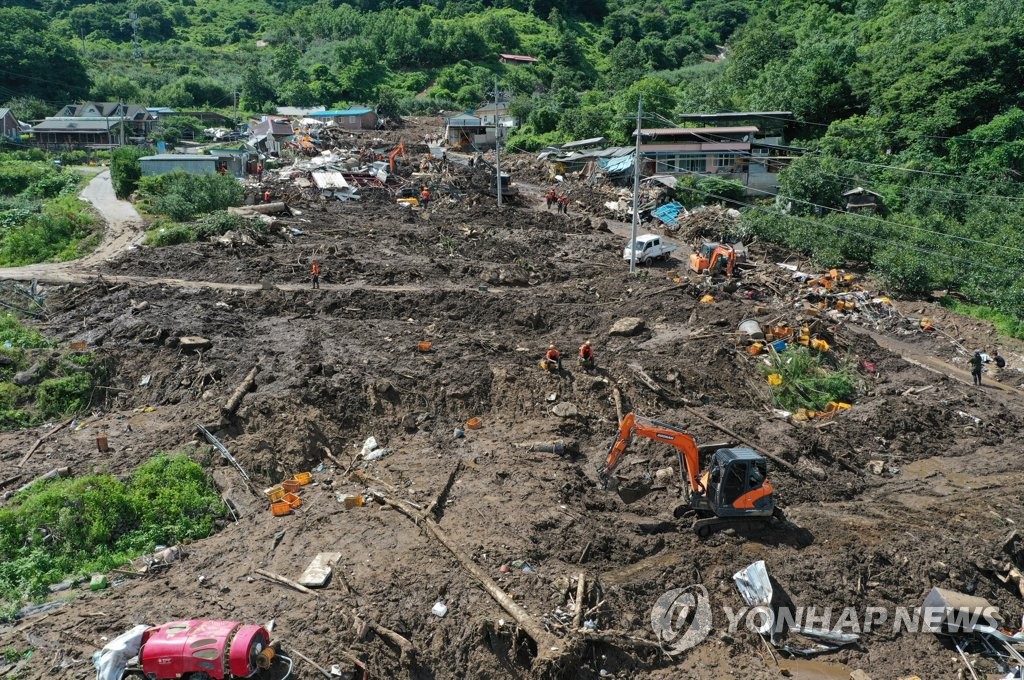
(400, 149)
(713, 257)
(733, 492)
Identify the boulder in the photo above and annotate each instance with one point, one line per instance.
(628, 326)
(28, 376)
(565, 410)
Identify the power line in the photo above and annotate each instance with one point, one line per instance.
(856, 233)
(892, 133)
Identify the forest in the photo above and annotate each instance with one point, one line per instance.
(919, 101)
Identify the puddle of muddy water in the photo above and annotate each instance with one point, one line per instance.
(802, 669)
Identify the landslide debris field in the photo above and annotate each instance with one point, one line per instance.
(490, 290)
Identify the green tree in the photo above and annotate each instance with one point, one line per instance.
(36, 62)
(125, 169)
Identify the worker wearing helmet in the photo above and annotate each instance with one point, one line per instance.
(587, 360)
(552, 359)
(315, 273)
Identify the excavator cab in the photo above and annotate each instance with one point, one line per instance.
(736, 485)
(713, 258)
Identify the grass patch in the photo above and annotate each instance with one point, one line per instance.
(210, 226)
(183, 196)
(74, 527)
(63, 384)
(41, 218)
(807, 381)
(1006, 324)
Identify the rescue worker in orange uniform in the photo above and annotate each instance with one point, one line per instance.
(552, 359)
(550, 197)
(315, 273)
(425, 197)
(587, 359)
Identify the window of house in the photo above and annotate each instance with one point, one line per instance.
(693, 164)
(725, 160)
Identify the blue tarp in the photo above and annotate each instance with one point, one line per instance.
(669, 213)
(614, 165)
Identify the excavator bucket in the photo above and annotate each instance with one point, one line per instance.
(634, 492)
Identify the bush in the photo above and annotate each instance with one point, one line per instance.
(806, 381)
(19, 335)
(182, 196)
(58, 397)
(54, 234)
(77, 526)
(170, 235)
(125, 169)
(222, 222)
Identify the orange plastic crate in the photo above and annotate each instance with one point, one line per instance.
(292, 500)
(291, 485)
(280, 508)
(304, 478)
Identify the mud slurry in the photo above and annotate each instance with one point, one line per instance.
(490, 290)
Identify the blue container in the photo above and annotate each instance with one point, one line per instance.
(779, 345)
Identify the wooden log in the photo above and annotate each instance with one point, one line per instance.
(581, 585)
(285, 581)
(549, 647)
(617, 396)
(619, 640)
(443, 492)
(52, 474)
(248, 384)
(44, 438)
(783, 463)
(259, 209)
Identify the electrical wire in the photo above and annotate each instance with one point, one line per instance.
(870, 237)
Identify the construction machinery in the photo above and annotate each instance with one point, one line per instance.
(714, 258)
(399, 150)
(200, 649)
(733, 491)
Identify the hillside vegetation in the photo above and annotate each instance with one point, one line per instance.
(917, 101)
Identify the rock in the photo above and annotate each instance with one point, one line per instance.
(665, 474)
(28, 376)
(565, 410)
(859, 675)
(193, 343)
(628, 326)
(5, 360)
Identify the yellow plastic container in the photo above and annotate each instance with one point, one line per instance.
(304, 478)
(755, 349)
(354, 501)
(775, 379)
(820, 345)
(708, 300)
(275, 493)
(281, 508)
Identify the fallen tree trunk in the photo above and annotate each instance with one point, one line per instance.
(260, 209)
(248, 384)
(52, 474)
(285, 581)
(784, 463)
(549, 647)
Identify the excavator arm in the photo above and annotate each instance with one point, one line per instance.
(683, 442)
(726, 251)
(400, 149)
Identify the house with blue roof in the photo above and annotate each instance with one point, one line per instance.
(351, 119)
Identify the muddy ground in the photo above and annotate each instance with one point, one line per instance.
(490, 290)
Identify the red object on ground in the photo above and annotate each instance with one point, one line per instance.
(221, 649)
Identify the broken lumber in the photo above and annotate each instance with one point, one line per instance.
(284, 581)
(44, 438)
(784, 463)
(52, 474)
(581, 584)
(443, 493)
(548, 646)
(649, 382)
(248, 384)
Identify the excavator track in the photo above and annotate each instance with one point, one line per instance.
(704, 527)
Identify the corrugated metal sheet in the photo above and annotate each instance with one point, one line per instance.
(655, 149)
(328, 179)
(669, 213)
(616, 165)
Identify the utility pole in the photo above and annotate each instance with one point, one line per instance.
(497, 145)
(636, 187)
(122, 107)
(234, 99)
